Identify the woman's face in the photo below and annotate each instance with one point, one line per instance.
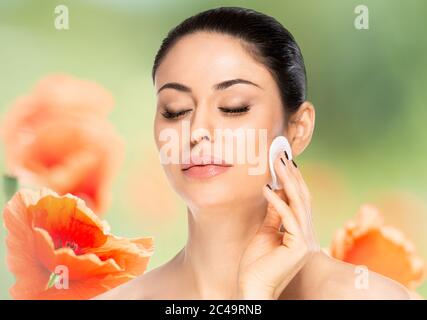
(196, 98)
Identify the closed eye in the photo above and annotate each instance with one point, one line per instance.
(235, 110)
(168, 114)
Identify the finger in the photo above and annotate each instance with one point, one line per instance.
(307, 224)
(287, 218)
(295, 173)
(303, 189)
(281, 193)
(272, 219)
(291, 188)
(303, 186)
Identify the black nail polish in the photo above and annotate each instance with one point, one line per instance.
(283, 162)
(268, 186)
(286, 154)
(294, 164)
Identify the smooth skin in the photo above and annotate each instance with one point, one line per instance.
(236, 248)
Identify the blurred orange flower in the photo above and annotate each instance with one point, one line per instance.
(383, 249)
(48, 234)
(59, 136)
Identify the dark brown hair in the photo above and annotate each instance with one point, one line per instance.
(265, 38)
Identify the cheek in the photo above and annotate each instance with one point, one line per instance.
(156, 132)
(264, 117)
(254, 172)
(270, 115)
(168, 139)
(174, 176)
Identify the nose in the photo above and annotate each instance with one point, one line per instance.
(201, 127)
(196, 138)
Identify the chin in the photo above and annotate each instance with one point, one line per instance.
(207, 196)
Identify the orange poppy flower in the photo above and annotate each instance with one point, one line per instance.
(59, 249)
(59, 137)
(383, 249)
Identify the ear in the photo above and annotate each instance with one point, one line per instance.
(300, 128)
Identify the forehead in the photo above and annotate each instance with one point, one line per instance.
(205, 58)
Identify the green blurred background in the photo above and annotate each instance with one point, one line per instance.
(368, 87)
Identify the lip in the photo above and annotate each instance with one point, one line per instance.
(204, 167)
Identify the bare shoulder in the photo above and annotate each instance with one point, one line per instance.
(348, 281)
(150, 285)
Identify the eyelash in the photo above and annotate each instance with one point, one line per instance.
(235, 111)
(172, 115)
(229, 111)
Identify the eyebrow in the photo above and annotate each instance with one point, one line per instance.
(219, 86)
(225, 84)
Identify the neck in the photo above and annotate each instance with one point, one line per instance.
(217, 238)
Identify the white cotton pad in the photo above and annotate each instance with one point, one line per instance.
(279, 145)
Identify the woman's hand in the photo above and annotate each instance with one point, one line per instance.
(275, 255)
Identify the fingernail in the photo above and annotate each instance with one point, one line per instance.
(283, 162)
(286, 154)
(294, 164)
(268, 186)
